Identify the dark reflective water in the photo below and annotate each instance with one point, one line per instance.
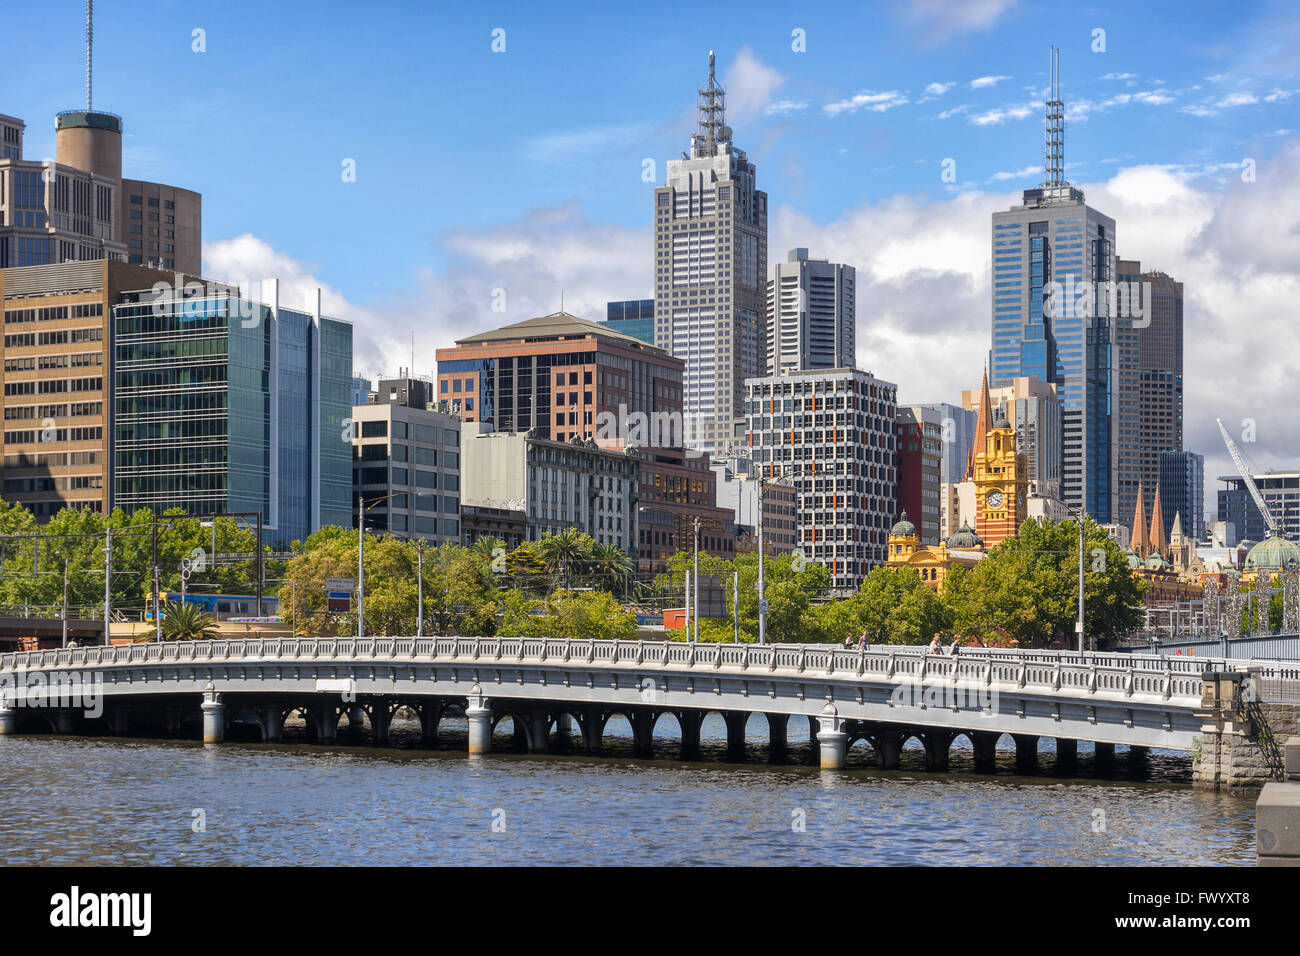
(113, 801)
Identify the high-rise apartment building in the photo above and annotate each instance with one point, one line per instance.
(831, 432)
(1051, 255)
(565, 377)
(406, 463)
(1149, 398)
(811, 306)
(1182, 491)
(710, 275)
(222, 403)
(1280, 491)
(1032, 409)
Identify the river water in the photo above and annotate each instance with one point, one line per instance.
(85, 800)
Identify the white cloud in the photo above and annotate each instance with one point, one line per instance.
(1198, 111)
(1118, 76)
(943, 19)
(750, 85)
(1237, 99)
(1003, 114)
(1018, 174)
(576, 147)
(980, 82)
(1280, 95)
(1153, 97)
(938, 89)
(956, 110)
(866, 100)
(781, 107)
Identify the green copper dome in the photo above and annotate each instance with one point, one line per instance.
(1134, 561)
(1157, 563)
(904, 528)
(965, 539)
(1273, 554)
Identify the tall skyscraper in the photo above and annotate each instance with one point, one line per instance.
(1062, 333)
(1149, 396)
(711, 275)
(810, 314)
(1182, 490)
(634, 317)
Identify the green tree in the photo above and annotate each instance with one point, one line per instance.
(893, 605)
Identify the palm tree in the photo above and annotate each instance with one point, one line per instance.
(611, 567)
(564, 552)
(487, 546)
(186, 622)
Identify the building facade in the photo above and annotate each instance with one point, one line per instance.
(557, 485)
(406, 464)
(1182, 491)
(225, 404)
(564, 377)
(676, 490)
(1281, 492)
(811, 307)
(710, 275)
(1149, 396)
(634, 317)
(738, 491)
(1050, 256)
(919, 462)
(1031, 406)
(831, 433)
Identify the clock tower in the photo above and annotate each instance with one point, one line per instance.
(999, 474)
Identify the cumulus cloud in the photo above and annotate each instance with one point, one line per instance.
(750, 85)
(866, 100)
(940, 20)
(980, 82)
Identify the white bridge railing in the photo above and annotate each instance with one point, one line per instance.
(1063, 672)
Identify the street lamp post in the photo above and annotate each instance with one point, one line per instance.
(362, 508)
(762, 589)
(1078, 624)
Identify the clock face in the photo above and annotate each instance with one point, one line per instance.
(995, 499)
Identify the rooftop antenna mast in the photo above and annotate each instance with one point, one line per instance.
(90, 46)
(713, 109)
(1054, 125)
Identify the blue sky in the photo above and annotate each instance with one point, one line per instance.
(522, 170)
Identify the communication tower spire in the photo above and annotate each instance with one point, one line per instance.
(713, 109)
(90, 47)
(1054, 126)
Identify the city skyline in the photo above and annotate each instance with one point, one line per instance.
(914, 238)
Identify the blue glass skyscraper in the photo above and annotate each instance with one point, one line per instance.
(1054, 242)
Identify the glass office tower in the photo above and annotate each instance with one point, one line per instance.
(225, 404)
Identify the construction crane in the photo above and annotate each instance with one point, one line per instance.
(1240, 462)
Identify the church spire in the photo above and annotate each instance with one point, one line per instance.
(1159, 543)
(983, 424)
(1140, 544)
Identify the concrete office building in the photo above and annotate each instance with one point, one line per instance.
(832, 433)
(919, 462)
(557, 485)
(226, 404)
(1067, 340)
(406, 463)
(810, 314)
(1182, 491)
(563, 377)
(1032, 408)
(57, 385)
(634, 317)
(1149, 399)
(710, 275)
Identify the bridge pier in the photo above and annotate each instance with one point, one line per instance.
(325, 721)
(1104, 756)
(381, 721)
(643, 723)
(272, 718)
(937, 743)
(1067, 755)
(813, 747)
(214, 716)
(690, 721)
(63, 721)
(430, 714)
(592, 724)
(831, 739)
(736, 721)
(889, 749)
(777, 725)
(1026, 753)
(118, 722)
(538, 730)
(8, 717)
(478, 711)
(1139, 758)
(985, 745)
(564, 723)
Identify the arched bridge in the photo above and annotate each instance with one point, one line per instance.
(882, 694)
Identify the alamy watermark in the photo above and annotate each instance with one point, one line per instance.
(23, 688)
